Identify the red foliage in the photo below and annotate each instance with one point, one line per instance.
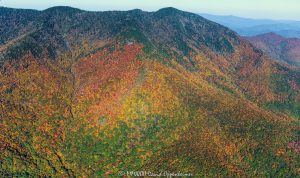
(104, 77)
(295, 146)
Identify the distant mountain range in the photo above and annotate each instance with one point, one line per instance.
(93, 94)
(278, 47)
(252, 27)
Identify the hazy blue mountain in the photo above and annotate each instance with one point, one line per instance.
(252, 27)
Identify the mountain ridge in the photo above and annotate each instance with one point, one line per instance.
(150, 18)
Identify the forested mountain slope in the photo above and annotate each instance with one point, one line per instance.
(94, 93)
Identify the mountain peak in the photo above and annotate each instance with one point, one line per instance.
(270, 36)
(168, 11)
(63, 9)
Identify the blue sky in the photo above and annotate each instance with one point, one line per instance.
(271, 9)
